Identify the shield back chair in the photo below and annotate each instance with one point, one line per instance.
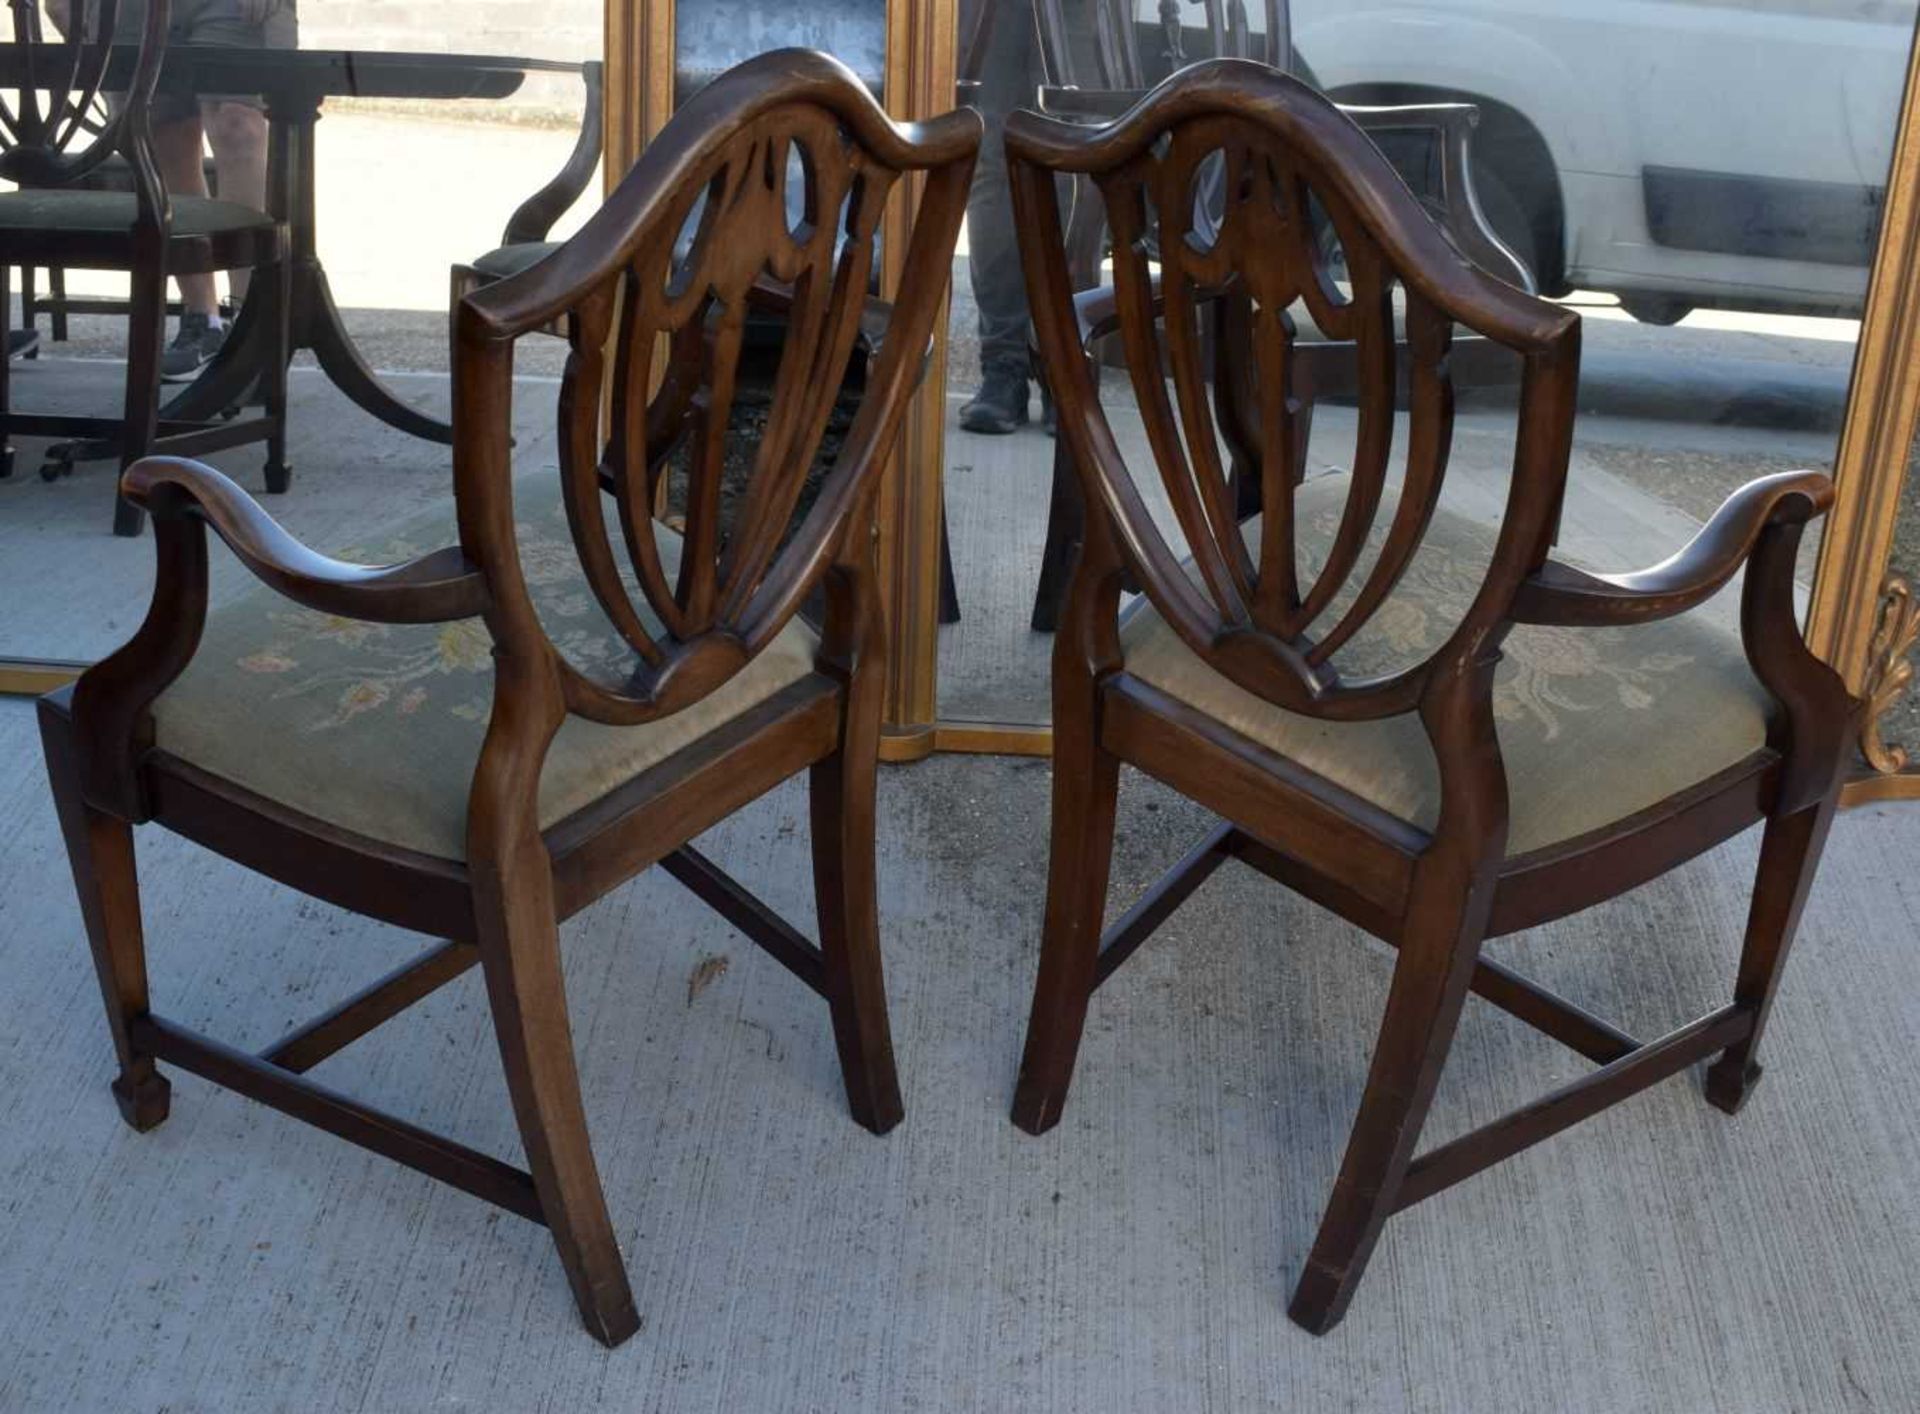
(525, 243)
(1328, 677)
(1098, 82)
(112, 175)
(545, 759)
(54, 220)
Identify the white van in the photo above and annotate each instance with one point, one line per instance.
(1677, 153)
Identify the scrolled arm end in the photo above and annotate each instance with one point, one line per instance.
(430, 589)
(1560, 594)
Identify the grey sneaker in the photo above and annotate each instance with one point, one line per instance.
(193, 347)
(1000, 405)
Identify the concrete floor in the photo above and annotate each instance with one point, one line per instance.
(1659, 1258)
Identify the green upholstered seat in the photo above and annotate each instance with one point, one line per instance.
(512, 259)
(376, 728)
(1594, 724)
(106, 211)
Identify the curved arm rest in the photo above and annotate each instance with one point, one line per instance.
(534, 217)
(1561, 594)
(431, 589)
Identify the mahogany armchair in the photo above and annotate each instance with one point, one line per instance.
(51, 147)
(526, 723)
(1436, 729)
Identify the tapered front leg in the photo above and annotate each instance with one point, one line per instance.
(517, 928)
(842, 801)
(1442, 925)
(1430, 983)
(1086, 787)
(841, 791)
(1086, 784)
(520, 955)
(100, 849)
(1789, 857)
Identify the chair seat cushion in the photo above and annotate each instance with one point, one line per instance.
(508, 260)
(376, 728)
(1594, 724)
(66, 209)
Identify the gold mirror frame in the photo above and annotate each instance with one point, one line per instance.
(1863, 620)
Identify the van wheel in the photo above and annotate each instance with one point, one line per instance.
(1656, 309)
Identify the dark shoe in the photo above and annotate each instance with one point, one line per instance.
(192, 349)
(21, 342)
(1000, 405)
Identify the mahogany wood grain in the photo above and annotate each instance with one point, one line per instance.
(730, 899)
(484, 1177)
(1580, 1099)
(431, 589)
(1257, 614)
(301, 1049)
(622, 281)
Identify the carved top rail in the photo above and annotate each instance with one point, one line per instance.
(1279, 151)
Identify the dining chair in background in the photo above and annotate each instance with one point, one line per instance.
(1436, 728)
(587, 717)
(51, 145)
(527, 237)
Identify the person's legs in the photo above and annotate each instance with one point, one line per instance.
(1009, 80)
(238, 132)
(236, 127)
(177, 146)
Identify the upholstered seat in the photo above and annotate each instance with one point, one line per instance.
(507, 260)
(112, 211)
(1594, 724)
(376, 728)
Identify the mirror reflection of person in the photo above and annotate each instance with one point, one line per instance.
(1010, 74)
(1009, 77)
(235, 125)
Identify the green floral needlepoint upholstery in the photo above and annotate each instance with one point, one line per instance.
(376, 728)
(1594, 724)
(64, 209)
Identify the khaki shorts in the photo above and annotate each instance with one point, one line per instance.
(209, 22)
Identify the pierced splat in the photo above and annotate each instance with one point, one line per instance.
(1230, 224)
(62, 98)
(778, 209)
(676, 320)
(1237, 244)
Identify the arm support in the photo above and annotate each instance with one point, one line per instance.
(1560, 594)
(1457, 203)
(431, 589)
(112, 699)
(535, 216)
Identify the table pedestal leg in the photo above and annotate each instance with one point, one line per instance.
(312, 318)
